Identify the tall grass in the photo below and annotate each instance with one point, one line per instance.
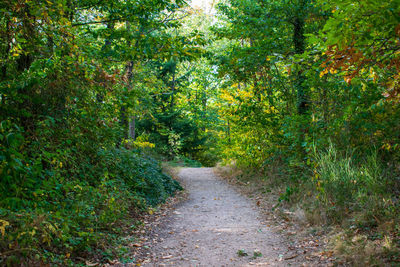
(347, 184)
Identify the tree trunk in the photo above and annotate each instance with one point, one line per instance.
(299, 46)
(131, 123)
(204, 104)
(123, 121)
(299, 83)
(229, 132)
(171, 104)
(7, 49)
(132, 127)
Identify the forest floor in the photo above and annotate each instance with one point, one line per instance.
(216, 225)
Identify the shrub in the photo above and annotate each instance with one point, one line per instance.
(62, 217)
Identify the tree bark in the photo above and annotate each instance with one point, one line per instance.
(299, 46)
(173, 85)
(132, 127)
(7, 49)
(131, 121)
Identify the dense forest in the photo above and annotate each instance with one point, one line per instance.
(96, 94)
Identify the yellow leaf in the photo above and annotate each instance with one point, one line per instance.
(3, 225)
(77, 186)
(51, 228)
(322, 73)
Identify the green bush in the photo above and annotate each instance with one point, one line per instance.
(141, 173)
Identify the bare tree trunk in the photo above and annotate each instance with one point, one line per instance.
(131, 121)
(132, 127)
(129, 74)
(173, 86)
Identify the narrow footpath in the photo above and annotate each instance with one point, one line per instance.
(217, 226)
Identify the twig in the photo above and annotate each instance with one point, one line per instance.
(16, 250)
(291, 257)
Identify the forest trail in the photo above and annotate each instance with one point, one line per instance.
(213, 225)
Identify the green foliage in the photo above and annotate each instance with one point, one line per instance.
(182, 161)
(172, 133)
(256, 254)
(242, 253)
(141, 173)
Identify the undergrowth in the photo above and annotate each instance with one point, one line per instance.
(66, 219)
(358, 194)
(182, 161)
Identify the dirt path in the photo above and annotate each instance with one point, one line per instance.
(213, 225)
